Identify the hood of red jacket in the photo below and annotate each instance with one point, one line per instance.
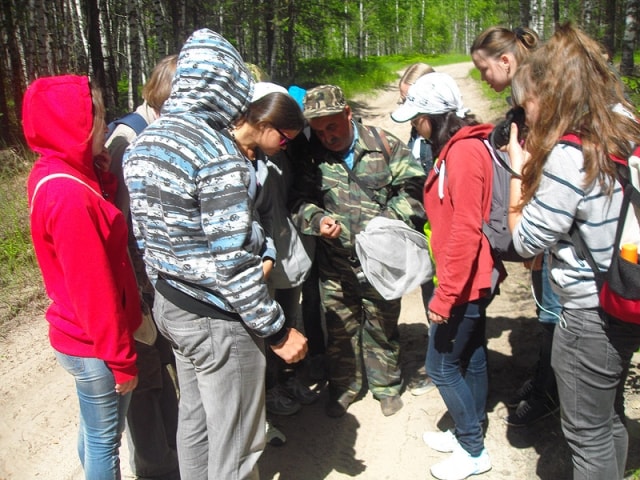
(57, 118)
(475, 131)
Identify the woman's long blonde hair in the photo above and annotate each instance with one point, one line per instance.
(576, 90)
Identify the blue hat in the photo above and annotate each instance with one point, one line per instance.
(298, 94)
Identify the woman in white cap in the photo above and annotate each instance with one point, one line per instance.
(457, 198)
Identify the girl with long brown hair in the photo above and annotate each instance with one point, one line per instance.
(564, 187)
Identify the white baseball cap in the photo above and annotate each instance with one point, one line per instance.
(260, 89)
(432, 94)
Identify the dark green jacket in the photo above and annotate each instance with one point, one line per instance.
(325, 188)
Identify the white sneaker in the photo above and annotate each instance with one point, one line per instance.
(461, 465)
(445, 442)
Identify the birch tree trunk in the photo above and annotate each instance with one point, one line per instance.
(361, 30)
(345, 30)
(79, 36)
(629, 37)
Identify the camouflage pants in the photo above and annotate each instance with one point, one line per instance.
(362, 330)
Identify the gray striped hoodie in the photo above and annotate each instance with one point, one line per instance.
(562, 199)
(192, 191)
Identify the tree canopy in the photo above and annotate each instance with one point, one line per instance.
(117, 42)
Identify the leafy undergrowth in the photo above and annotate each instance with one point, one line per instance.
(21, 289)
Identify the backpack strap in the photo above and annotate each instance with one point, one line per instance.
(133, 120)
(382, 142)
(43, 180)
(624, 169)
(501, 158)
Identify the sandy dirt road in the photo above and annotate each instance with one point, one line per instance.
(38, 405)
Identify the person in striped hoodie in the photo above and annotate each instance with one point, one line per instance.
(192, 190)
(564, 187)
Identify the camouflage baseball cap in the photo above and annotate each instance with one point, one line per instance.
(323, 100)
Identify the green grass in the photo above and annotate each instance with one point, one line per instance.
(356, 76)
(20, 283)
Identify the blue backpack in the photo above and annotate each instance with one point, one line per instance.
(132, 120)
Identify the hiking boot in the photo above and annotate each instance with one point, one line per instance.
(422, 386)
(523, 393)
(530, 411)
(278, 402)
(273, 435)
(461, 465)
(390, 405)
(300, 392)
(445, 442)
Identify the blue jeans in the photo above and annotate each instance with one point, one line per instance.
(221, 413)
(590, 357)
(549, 307)
(102, 416)
(457, 364)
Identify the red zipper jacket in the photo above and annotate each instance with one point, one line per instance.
(462, 254)
(80, 238)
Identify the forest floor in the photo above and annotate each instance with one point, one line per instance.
(38, 423)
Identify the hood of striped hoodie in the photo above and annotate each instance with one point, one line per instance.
(211, 80)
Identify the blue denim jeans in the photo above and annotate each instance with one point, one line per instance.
(549, 306)
(590, 357)
(221, 413)
(457, 364)
(102, 416)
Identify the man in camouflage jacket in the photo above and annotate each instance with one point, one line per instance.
(355, 173)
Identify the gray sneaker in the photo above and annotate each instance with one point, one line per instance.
(422, 386)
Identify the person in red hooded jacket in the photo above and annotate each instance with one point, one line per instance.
(80, 241)
(457, 197)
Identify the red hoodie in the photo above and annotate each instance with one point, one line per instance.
(80, 239)
(461, 251)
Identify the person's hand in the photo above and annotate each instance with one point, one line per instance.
(329, 227)
(102, 161)
(267, 266)
(436, 317)
(126, 387)
(294, 347)
(517, 155)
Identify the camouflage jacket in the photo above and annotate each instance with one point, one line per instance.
(324, 187)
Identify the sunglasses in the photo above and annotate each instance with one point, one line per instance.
(283, 138)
